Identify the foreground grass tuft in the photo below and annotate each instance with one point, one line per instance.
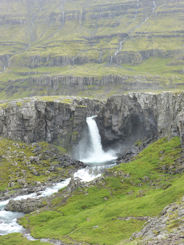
(18, 239)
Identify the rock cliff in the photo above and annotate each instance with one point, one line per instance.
(123, 120)
(138, 116)
(52, 119)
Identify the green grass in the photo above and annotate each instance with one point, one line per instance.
(18, 239)
(95, 214)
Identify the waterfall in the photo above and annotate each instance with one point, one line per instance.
(96, 154)
(94, 136)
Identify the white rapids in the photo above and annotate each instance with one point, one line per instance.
(91, 172)
(8, 220)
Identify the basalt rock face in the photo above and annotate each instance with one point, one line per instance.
(122, 120)
(37, 61)
(59, 121)
(70, 85)
(4, 61)
(139, 116)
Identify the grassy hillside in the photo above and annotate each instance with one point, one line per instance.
(140, 41)
(119, 204)
(23, 165)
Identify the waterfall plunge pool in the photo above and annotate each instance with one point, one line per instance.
(94, 156)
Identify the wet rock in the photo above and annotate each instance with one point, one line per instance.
(26, 206)
(66, 161)
(74, 184)
(180, 124)
(133, 151)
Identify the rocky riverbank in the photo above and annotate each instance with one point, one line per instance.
(27, 168)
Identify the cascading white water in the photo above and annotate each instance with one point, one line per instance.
(96, 155)
(95, 136)
(8, 219)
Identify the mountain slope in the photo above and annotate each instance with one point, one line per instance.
(89, 45)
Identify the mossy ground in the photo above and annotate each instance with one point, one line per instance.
(17, 162)
(97, 215)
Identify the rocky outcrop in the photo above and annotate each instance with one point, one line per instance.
(26, 206)
(123, 119)
(180, 124)
(70, 85)
(59, 120)
(166, 229)
(33, 167)
(123, 57)
(139, 116)
(37, 61)
(4, 60)
(132, 57)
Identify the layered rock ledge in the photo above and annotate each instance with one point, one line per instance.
(122, 120)
(136, 117)
(55, 119)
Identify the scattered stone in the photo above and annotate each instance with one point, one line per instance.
(21, 181)
(34, 159)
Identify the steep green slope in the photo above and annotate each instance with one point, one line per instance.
(58, 46)
(119, 204)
